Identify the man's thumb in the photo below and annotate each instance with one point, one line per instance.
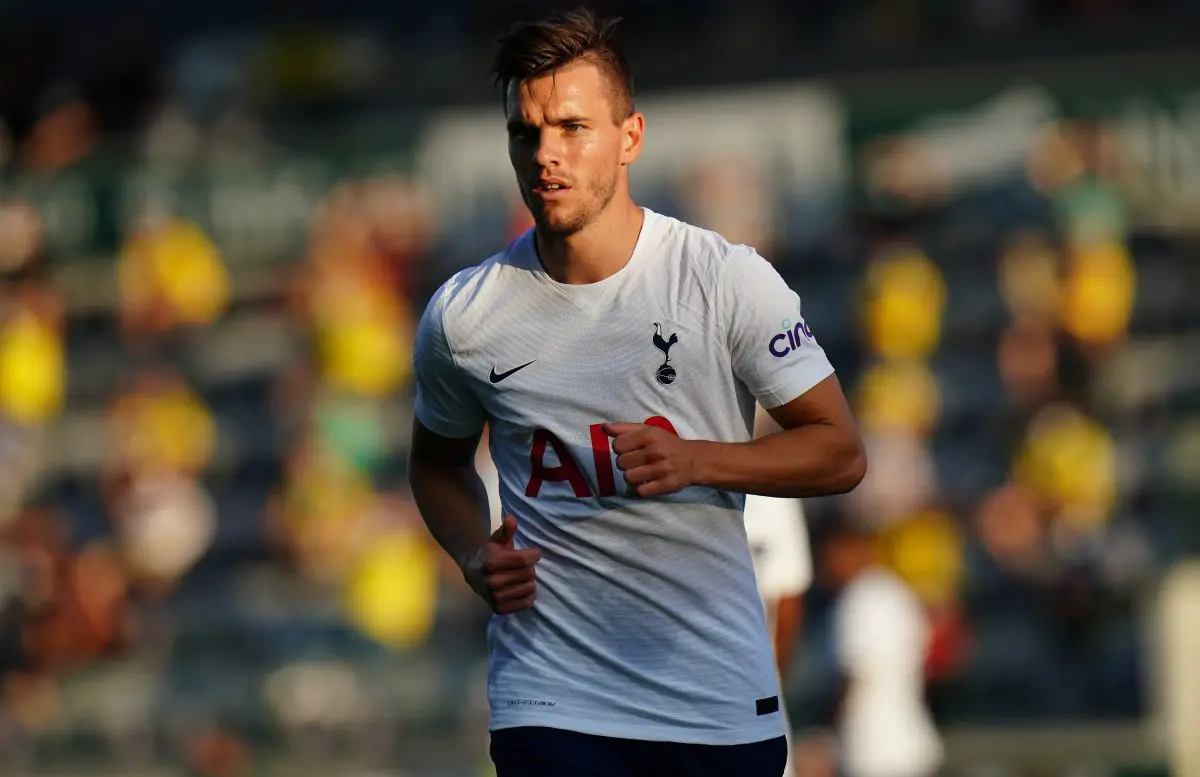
(505, 531)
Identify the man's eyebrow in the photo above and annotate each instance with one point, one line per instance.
(514, 125)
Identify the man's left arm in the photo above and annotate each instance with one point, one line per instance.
(774, 353)
(818, 453)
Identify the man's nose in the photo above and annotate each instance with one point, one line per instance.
(548, 152)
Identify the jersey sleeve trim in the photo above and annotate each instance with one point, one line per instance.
(796, 386)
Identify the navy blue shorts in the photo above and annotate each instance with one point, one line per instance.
(535, 751)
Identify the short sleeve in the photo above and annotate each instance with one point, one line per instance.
(774, 351)
(445, 402)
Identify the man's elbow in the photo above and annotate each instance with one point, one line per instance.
(852, 467)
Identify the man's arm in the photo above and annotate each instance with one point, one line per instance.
(448, 491)
(448, 423)
(777, 357)
(818, 453)
(454, 506)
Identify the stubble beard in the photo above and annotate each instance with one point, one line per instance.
(600, 195)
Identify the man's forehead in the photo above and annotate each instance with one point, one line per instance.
(577, 90)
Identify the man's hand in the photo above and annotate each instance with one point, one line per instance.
(654, 461)
(501, 574)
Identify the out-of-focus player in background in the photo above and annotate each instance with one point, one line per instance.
(783, 567)
(615, 356)
(884, 728)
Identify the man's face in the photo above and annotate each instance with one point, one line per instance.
(567, 149)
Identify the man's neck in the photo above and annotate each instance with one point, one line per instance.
(596, 252)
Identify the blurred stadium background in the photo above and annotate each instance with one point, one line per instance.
(219, 222)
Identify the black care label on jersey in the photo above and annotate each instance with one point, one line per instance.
(767, 706)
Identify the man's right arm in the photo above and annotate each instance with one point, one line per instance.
(454, 505)
(452, 499)
(448, 422)
(448, 491)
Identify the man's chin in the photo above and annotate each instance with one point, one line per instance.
(557, 224)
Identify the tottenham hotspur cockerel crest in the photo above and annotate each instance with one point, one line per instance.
(665, 373)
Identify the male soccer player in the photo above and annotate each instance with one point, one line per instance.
(616, 356)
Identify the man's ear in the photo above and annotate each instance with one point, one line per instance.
(633, 131)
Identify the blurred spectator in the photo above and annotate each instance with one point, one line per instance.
(326, 514)
(351, 428)
(902, 479)
(899, 396)
(64, 134)
(160, 425)
(897, 404)
(32, 366)
(350, 295)
(1075, 164)
(927, 552)
(344, 535)
(1098, 293)
(171, 276)
(1013, 529)
(348, 427)
(32, 353)
(1030, 275)
(1069, 462)
(905, 294)
(72, 611)
(1028, 361)
(32, 361)
(163, 522)
(392, 588)
(402, 224)
(21, 237)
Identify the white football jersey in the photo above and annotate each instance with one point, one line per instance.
(648, 623)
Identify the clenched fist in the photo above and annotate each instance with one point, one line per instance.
(502, 574)
(653, 460)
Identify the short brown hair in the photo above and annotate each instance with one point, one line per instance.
(533, 49)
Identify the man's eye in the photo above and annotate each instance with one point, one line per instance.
(573, 127)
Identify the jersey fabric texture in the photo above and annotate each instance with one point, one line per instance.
(648, 623)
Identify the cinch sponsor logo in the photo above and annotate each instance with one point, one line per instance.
(529, 703)
(789, 339)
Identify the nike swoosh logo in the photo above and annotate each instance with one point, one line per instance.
(496, 377)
